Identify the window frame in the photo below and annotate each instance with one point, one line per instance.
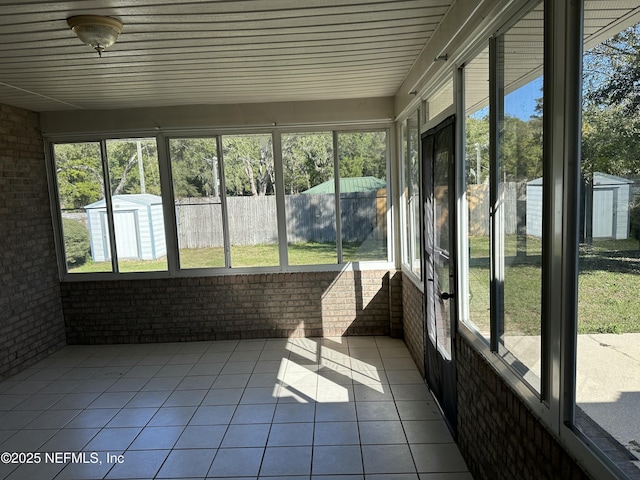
(407, 228)
(556, 402)
(162, 138)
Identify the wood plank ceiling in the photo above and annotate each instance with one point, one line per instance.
(181, 52)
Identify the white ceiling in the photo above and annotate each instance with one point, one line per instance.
(183, 52)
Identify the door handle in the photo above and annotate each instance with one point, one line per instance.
(447, 295)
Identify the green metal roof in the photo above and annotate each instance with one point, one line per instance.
(349, 185)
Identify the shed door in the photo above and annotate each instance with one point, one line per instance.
(127, 241)
(604, 210)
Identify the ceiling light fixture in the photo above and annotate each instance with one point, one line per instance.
(95, 30)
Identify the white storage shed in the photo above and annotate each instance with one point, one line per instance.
(611, 199)
(139, 226)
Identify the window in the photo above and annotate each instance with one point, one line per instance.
(517, 196)
(136, 205)
(411, 178)
(607, 380)
(310, 206)
(413, 194)
(128, 223)
(225, 202)
(78, 169)
(440, 100)
(197, 195)
(501, 255)
(476, 313)
(362, 160)
(249, 179)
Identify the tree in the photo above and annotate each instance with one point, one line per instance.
(611, 106)
(194, 167)
(610, 141)
(612, 72)
(521, 149)
(248, 165)
(125, 168)
(477, 148)
(307, 160)
(362, 154)
(79, 173)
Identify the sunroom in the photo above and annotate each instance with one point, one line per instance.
(423, 175)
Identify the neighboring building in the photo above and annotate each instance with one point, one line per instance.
(348, 185)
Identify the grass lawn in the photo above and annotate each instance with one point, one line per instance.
(608, 288)
(249, 256)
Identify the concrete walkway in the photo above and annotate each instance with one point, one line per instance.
(608, 383)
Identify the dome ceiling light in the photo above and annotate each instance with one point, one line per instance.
(95, 30)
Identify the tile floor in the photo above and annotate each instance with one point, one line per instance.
(350, 408)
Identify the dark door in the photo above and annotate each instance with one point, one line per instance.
(438, 163)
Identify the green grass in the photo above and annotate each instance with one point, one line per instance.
(249, 256)
(608, 287)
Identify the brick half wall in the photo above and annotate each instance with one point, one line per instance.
(228, 307)
(499, 437)
(413, 321)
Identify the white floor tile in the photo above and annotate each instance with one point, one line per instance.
(352, 408)
(236, 462)
(201, 436)
(343, 459)
(387, 459)
(285, 461)
(187, 463)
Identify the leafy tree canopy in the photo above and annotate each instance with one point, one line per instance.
(612, 72)
(610, 126)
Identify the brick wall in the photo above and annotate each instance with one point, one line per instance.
(31, 321)
(413, 321)
(498, 435)
(395, 305)
(229, 306)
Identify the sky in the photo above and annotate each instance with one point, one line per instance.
(521, 103)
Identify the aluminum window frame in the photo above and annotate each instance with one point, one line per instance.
(162, 138)
(555, 404)
(407, 228)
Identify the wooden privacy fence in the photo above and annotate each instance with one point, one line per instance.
(252, 220)
(478, 201)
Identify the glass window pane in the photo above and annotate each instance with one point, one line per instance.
(519, 194)
(80, 189)
(309, 198)
(196, 190)
(137, 206)
(440, 100)
(251, 200)
(404, 168)
(608, 360)
(362, 158)
(414, 194)
(476, 101)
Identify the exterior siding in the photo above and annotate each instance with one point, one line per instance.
(31, 322)
(159, 244)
